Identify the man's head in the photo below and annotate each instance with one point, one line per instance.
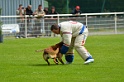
(39, 7)
(55, 29)
(20, 7)
(46, 8)
(77, 8)
(29, 7)
(53, 8)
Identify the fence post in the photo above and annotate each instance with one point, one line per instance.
(43, 25)
(115, 23)
(58, 19)
(25, 26)
(86, 20)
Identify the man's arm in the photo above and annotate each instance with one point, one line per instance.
(66, 42)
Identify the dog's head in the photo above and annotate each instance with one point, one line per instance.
(58, 45)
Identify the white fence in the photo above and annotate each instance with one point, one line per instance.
(98, 23)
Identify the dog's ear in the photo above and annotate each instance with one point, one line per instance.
(59, 44)
(54, 47)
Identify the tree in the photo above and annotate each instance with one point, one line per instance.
(88, 6)
(94, 6)
(59, 4)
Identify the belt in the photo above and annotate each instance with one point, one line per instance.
(82, 30)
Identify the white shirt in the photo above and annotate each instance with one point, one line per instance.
(69, 29)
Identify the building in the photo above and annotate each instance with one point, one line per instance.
(9, 7)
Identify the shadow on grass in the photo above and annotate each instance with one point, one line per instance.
(43, 64)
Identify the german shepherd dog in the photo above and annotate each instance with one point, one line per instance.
(52, 52)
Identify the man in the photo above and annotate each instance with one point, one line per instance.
(20, 20)
(53, 11)
(39, 11)
(73, 34)
(29, 10)
(38, 21)
(46, 11)
(20, 11)
(77, 11)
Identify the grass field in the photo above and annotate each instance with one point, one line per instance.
(19, 62)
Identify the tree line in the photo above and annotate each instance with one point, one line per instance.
(88, 6)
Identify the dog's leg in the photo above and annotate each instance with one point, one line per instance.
(47, 61)
(46, 58)
(60, 58)
(61, 61)
(56, 61)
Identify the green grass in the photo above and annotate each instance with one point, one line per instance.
(19, 62)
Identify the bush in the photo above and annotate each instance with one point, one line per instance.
(1, 36)
(0, 24)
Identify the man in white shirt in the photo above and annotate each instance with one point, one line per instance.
(73, 35)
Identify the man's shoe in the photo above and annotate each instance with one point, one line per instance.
(89, 61)
(68, 62)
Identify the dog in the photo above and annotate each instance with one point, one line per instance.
(53, 52)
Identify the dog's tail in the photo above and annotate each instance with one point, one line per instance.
(39, 50)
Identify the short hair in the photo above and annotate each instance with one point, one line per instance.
(30, 6)
(52, 7)
(20, 5)
(39, 5)
(55, 26)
